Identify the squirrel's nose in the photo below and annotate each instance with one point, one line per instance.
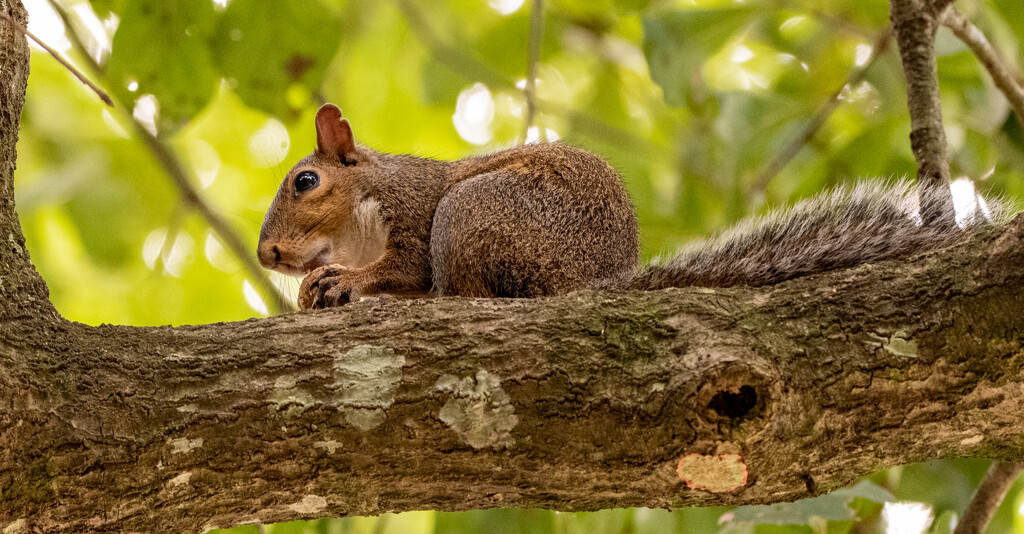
(269, 255)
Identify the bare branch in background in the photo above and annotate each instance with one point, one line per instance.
(81, 77)
(780, 161)
(989, 495)
(179, 176)
(536, 37)
(915, 23)
(1005, 79)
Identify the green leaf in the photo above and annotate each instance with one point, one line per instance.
(441, 85)
(162, 47)
(631, 6)
(945, 523)
(832, 507)
(103, 7)
(1010, 11)
(267, 49)
(677, 43)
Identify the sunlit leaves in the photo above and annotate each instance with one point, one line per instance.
(677, 43)
(265, 48)
(274, 54)
(161, 48)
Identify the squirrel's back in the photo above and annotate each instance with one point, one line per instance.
(532, 221)
(866, 223)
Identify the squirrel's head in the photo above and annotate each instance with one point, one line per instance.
(322, 213)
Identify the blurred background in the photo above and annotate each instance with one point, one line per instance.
(147, 213)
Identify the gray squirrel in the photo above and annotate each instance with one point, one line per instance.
(545, 219)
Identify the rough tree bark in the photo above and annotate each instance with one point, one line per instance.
(593, 400)
(584, 402)
(23, 294)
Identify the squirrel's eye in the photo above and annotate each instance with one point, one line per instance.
(306, 180)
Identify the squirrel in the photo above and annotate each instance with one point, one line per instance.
(545, 219)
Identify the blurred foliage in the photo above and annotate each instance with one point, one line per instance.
(834, 506)
(690, 99)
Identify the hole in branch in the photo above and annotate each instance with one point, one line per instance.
(734, 404)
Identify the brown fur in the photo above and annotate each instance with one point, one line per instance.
(529, 221)
(542, 220)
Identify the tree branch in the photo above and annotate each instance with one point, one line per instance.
(915, 23)
(190, 196)
(990, 58)
(23, 295)
(587, 401)
(53, 53)
(989, 495)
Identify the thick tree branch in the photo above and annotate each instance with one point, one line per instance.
(915, 23)
(1007, 82)
(575, 403)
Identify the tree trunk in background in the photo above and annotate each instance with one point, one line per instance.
(582, 402)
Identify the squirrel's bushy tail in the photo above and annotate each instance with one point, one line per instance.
(869, 222)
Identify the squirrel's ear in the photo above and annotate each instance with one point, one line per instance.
(333, 134)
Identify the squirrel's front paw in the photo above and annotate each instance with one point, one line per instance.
(327, 287)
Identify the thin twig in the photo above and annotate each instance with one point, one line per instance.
(533, 57)
(81, 77)
(987, 497)
(175, 170)
(915, 23)
(818, 120)
(993, 61)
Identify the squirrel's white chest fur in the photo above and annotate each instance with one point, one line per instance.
(361, 242)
